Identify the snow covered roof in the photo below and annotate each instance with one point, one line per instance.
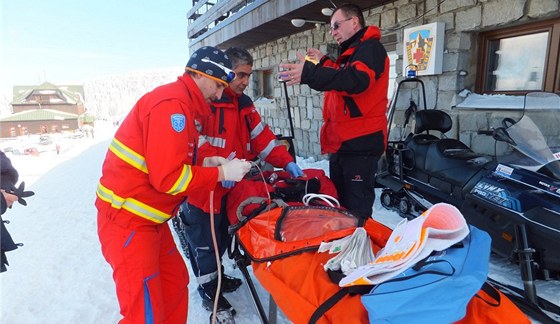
(534, 100)
(39, 114)
(486, 101)
(70, 94)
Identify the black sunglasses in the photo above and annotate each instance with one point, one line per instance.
(229, 73)
(336, 24)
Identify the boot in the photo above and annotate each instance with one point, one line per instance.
(230, 284)
(208, 294)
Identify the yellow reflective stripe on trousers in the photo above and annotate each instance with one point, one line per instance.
(183, 182)
(132, 205)
(128, 155)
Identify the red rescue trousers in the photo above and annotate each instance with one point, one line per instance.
(149, 273)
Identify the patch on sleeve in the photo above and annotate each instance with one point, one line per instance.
(178, 122)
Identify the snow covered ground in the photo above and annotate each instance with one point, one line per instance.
(60, 276)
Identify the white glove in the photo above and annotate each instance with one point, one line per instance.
(213, 161)
(235, 169)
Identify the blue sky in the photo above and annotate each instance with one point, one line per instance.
(65, 41)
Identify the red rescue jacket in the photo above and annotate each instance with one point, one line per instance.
(150, 165)
(355, 103)
(236, 126)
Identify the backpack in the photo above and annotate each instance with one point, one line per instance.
(436, 289)
(282, 244)
(275, 185)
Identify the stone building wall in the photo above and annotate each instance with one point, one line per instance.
(464, 19)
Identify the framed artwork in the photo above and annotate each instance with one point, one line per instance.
(423, 49)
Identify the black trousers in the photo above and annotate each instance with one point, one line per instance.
(354, 179)
(199, 239)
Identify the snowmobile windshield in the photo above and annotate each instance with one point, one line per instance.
(536, 134)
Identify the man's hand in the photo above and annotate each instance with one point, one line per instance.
(294, 170)
(235, 169)
(292, 75)
(314, 55)
(20, 193)
(10, 198)
(228, 184)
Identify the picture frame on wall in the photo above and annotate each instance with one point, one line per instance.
(423, 49)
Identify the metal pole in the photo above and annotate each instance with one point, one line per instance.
(289, 110)
(526, 262)
(254, 295)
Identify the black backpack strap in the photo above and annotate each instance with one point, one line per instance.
(492, 292)
(335, 277)
(328, 304)
(534, 310)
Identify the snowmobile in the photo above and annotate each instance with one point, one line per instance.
(514, 194)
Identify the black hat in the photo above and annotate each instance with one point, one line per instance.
(211, 62)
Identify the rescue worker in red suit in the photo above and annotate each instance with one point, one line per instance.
(234, 129)
(149, 169)
(354, 131)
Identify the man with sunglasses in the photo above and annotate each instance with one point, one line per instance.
(354, 131)
(149, 169)
(234, 129)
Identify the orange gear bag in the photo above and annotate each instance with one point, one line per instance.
(283, 242)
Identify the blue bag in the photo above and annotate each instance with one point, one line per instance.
(435, 290)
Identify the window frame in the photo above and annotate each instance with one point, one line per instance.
(551, 77)
(264, 79)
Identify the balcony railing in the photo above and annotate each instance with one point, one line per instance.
(206, 14)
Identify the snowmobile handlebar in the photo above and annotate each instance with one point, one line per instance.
(499, 134)
(489, 132)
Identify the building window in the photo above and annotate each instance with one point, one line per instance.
(265, 84)
(520, 59)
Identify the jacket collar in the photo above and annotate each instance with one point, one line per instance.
(199, 107)
(364, 33)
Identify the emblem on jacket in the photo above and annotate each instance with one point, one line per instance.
(178, 122)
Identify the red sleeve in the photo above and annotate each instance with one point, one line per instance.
(204, 151)
(264, 142)
(169, 152)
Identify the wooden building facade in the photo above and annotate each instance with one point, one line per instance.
(44, 109)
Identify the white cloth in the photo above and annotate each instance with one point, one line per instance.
(355, 250)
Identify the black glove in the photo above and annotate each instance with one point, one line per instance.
(21, 193)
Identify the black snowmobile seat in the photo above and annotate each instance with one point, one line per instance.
(427, 120)
(438, 120)
(430, 120)
(452, 148)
